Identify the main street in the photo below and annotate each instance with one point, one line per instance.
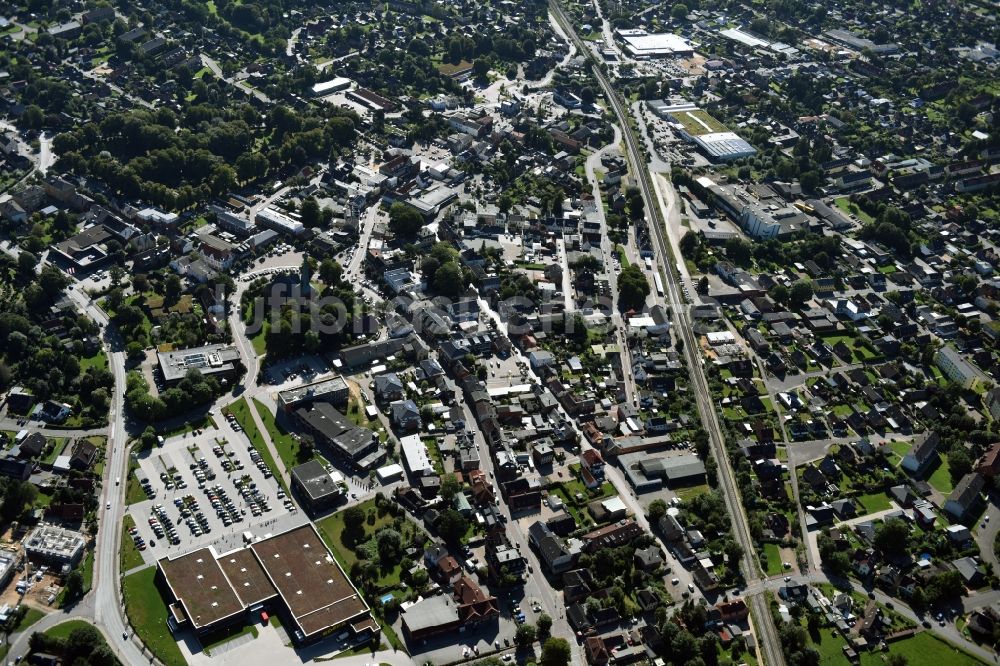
(109, 613)
(763, 621)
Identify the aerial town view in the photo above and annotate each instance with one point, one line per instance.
(563, 332)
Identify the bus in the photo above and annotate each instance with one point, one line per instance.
(659, 284)
(649, 264)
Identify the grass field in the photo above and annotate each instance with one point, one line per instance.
(133, 491)
(57, 448)
(287, 446)
(130, 555)
(98, 360)
(332, 531)
(773, 559)
(874, 502)
(148, 614)
(64, 629)
(940, 478)
(845, 205)
(924, 648)
(31, 616)
(241, 410)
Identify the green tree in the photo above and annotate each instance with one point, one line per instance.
(449, 487)
(480, 68)
(959, 463)
(678, 11)
(405, 220)
(555, 652)
(309, 213)
(172, 288)
(544, 625)
(525, 635)
(330, 271)
(690, 244)
(891, 536)
(449, 280)
(739, 251)
(354, 520)
(657, 509)
(389, 543)
(452, 526)
(632, 288)
(800, 292)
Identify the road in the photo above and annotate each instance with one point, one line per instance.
(216, 70)
(109, 613)
(767, 635)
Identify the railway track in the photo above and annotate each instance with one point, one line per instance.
(767, 634)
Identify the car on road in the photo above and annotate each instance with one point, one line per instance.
(674, 581)
(108, 505)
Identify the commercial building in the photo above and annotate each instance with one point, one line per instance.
(333, 390)
(292, 574)
(54, 545)
(358, 447)
(331, 86)
(270, 218)
(317, 489)
(219, 361)
(416, 456)
(724, 146)
(641, 44)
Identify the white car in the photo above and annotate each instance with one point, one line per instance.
(108, 505)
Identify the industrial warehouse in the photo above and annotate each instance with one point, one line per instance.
(291, 574)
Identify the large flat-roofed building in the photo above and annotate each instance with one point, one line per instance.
(292, 574)
(48, 543)
(319, 596)
(333, 390)
(724, 146)
(415, 454)
(219, 361)
(359, 447)
(317, 488)
(641, 44)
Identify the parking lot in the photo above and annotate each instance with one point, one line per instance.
(205, 487)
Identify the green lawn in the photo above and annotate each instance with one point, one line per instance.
(773, 559)
(87, 571)
(844, 204)
(98, 360)
(287, 446)
(622, 258)
(940, 478)
(259, 341)
(687, 493)
(332, 531)
(130, 555)
(59, 445)
(830, 647)
(900, 448)
(64, 629)
(874, 502)
(241, 410)
(923, 648)
(133, 491)
(31, 616)
(148, 614)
